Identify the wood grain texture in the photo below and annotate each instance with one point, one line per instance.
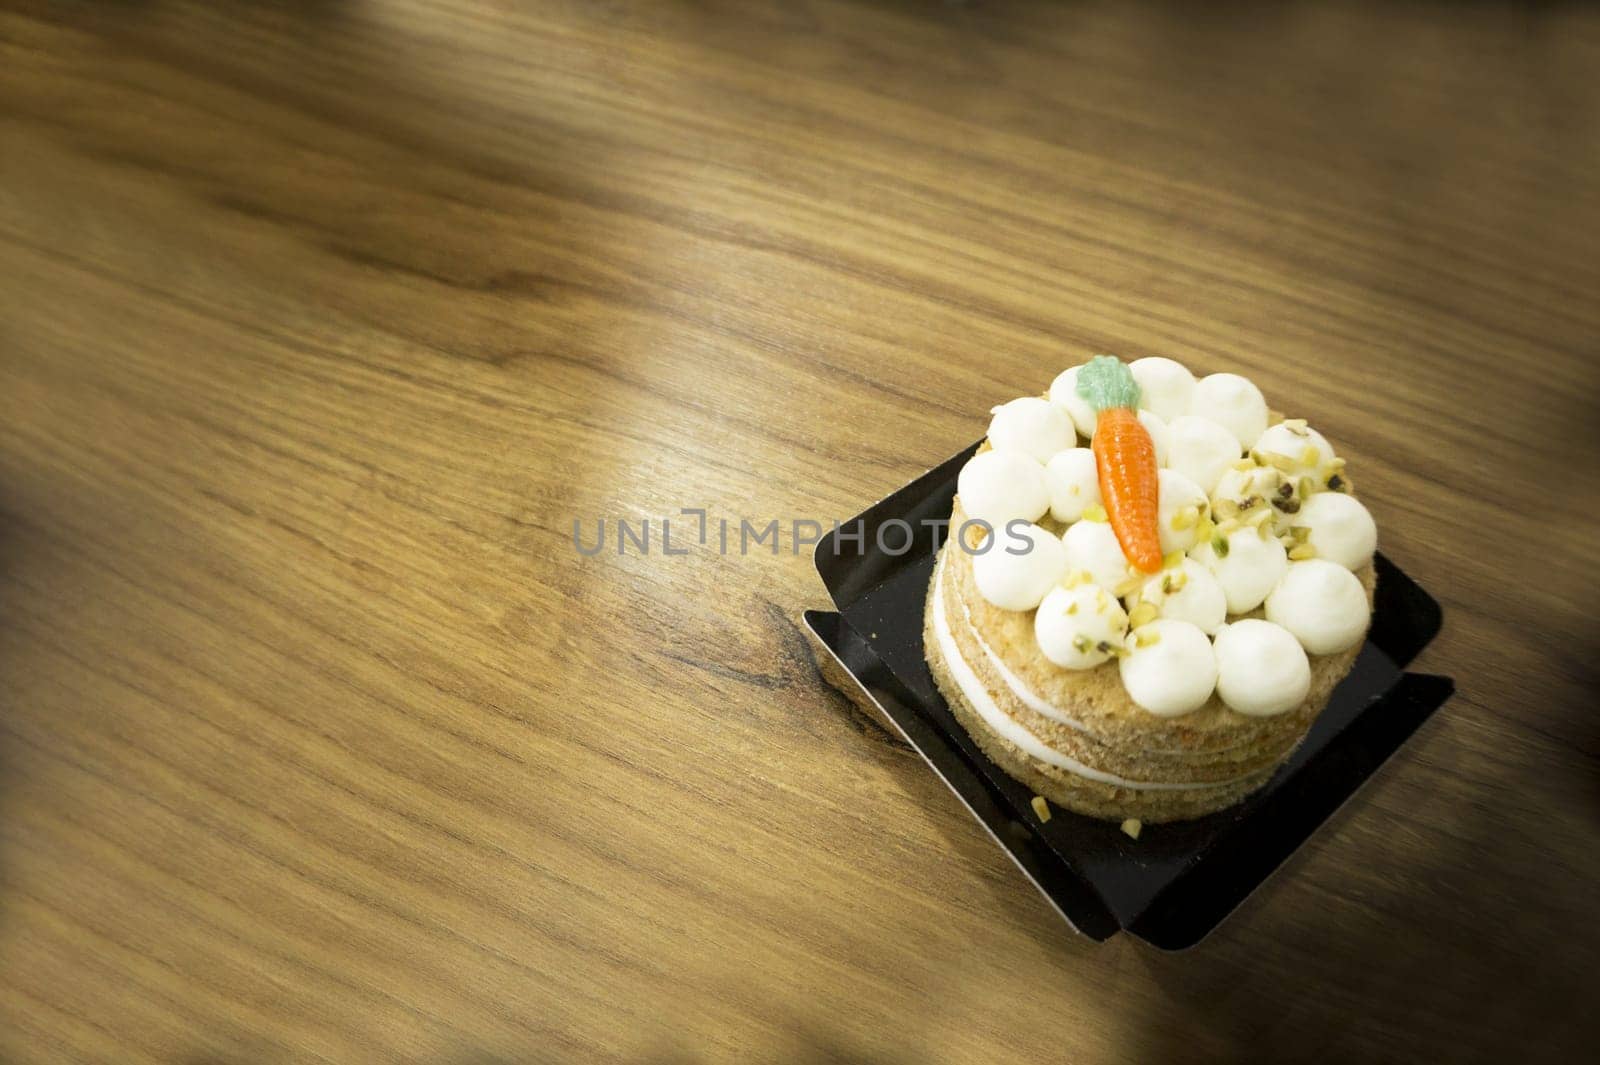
(320, 323)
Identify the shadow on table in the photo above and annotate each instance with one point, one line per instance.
(11, 666)
(1428, 935)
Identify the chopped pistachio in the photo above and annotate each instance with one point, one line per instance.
(1219, 544)
(1245, 464)
(1186, 518)
(1147, 638)
(1143, 614)
(1172, 561)
(1041, 809)
(1094, 512)
(1132, 826)
(1203, 531)
(1226, 508)
(1256, 517)
(1302, 551)
(1230, 526)
(1288, 506)
(1310, 456)
(1174, 581)
(1281, 463)
(1082, 644)
(1305, 487)
(1130, 585)
(1296, 426)
(1072, 607)
(1338, 483)
(1300, 533)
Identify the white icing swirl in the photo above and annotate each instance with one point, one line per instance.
(1175, 492)
(1159, 436)
(1064, 394)
(1170, 668)
(1188, 592)
(1306, 449)
(1018, 566)
(1234, 403)
(1323, 604)
(1073, 625)
(1092, 546)
(1036, 427)
(1261, 668)
(1074, 483)
(999, 486)
(1201, 450)
(1249, 570)
(1340, 528)
(1165, 386)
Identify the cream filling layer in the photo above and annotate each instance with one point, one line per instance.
(1027, 696)
(978, 696)
(1018, 686)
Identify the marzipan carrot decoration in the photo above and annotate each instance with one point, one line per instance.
(1125, 458)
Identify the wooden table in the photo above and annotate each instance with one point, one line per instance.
(321, 324)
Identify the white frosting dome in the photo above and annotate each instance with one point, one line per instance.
(1077, 627)
(1251, 567)
(1261, 668)
(1074, 482)
(1159, 436)
(1234, 403)
(1036, 427)
(1175, 492)
(1174, 671)
(1093, 546)
(998, 486)
(1323, 604)
(1064, 394)
(1165, 387)
(1302, 445)
(1188, 592)
(1019, 566)
(1341, 528)
(1201, 450)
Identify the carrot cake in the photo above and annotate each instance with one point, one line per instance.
(1150, 588)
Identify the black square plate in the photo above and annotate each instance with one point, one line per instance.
(1176, 882)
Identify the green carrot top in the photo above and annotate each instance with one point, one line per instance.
(1106, 382)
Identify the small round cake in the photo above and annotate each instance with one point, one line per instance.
(1151, 586)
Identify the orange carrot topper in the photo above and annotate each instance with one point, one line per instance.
(1125, 458)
